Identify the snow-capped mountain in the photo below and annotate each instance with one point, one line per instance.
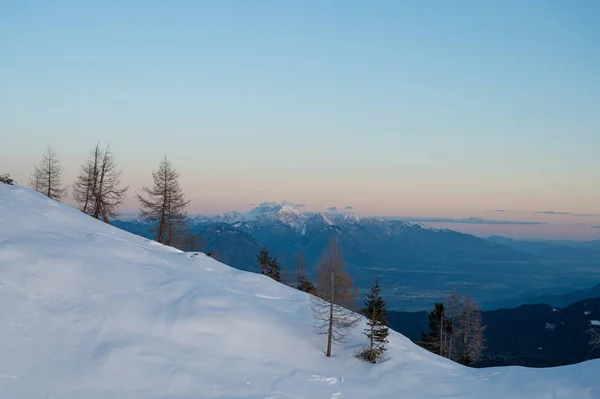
(344, 216)
(369, 245)
(228, 217)
(91, 311)
(273, 212)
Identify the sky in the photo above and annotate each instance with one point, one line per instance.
(422, 109)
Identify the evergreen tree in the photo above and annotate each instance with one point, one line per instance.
(307, 286)
(263, 260)
(436, 340)
(302, 282)
(165, 205)
(5, 179)
(273, 270)
(377, 322)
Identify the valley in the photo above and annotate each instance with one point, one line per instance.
(417, 264)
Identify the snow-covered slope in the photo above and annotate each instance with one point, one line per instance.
(90, 311)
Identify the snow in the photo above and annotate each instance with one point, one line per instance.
(291, 216)
(595, 322)
(90, 311)
(344, 216)
(269, 211)
(229, 217)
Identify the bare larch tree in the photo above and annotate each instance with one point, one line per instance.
(165, 204)
(454, 304)
(84, 187)
(594, 334)
(47, 176)
(470, 329)
(457, 330)
(98, 187)
(108, 193)
(334, 305)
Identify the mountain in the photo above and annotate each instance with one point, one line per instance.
(419, 264)
(537, 335)
(91, 311)
(554, 250)
(561, 299)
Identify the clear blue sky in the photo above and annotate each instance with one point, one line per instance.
(424, 108)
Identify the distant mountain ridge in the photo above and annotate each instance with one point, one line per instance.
(538, 335)
(410, 256)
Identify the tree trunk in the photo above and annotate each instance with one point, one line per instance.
(330, 330)
(442, 334)
(372, 334)
(49, 176)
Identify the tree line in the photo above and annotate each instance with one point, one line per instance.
(456, 328)
(334, 301)
(98, 192)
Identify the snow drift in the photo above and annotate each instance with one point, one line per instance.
(90, 311)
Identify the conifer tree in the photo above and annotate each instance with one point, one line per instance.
(375, 309)
(165, 204)
(439, 326)
(5, 179)
(263, 259)
(302, 282)
(85, 184)
(109, 193)
(47, 176)
(470, 330)
(273, 270)
(456, 330)
(97, 188)
(307, 286)
(335, 301)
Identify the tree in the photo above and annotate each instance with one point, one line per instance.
(456, 330)
(98, 186)
(470, 329)
(85, 184)
(375, 310)
(109, 194)
(273, 270)
(335, 298)
(5, 179)
(302, 282)
(263, 260)
(47, 176)
(307, 286)
(165, 204)
(435, 340)
(594, 334)
(454, 304)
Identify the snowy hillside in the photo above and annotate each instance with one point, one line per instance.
(90, 311)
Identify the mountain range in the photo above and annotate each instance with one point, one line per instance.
(417, 264)
(537, 335)
(91, 311)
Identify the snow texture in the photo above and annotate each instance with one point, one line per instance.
(90, 311)
(595, 322)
